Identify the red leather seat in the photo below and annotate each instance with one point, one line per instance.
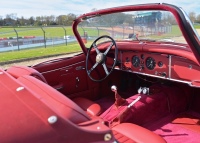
(131, 133)
(91, 108)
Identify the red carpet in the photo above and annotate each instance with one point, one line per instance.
(185, 128)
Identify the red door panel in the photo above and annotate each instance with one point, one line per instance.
(68, 76)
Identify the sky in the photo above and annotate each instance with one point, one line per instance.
(28, 8)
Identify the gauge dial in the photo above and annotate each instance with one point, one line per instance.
(150, 63)
(136, 61)
(160, 64)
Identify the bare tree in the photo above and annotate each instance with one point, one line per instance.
(198, 18)
(70, 18)
(192, 16)
(22, 21)
(31, 20)
(38, 21)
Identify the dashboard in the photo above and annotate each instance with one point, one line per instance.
(160, 65)
(174, 61)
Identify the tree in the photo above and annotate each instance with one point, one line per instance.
(192, 16)
(198, 18)
(1, 21)
(8, 20)
(52, 19)
(70, 18)
(31, 20)
(62, 19)
(38, 21)
(22, 21)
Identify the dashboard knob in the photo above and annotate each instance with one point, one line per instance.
(141, 67)
(114, 88)
(163, 74)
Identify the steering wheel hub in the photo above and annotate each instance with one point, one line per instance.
(100, 58)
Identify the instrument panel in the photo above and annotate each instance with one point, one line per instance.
(146, 63)
(159, 65)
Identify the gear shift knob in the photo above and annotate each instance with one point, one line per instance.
(114, 88)
(118, 99)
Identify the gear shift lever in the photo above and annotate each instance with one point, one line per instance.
(118, 99)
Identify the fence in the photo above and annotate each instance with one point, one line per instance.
(125, 32)
(21, 38)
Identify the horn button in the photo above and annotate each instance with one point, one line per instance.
(100, 58)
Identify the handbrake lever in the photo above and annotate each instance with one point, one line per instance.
(133, 102)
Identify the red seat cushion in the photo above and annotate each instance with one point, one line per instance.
(89, 106)
(131, 133)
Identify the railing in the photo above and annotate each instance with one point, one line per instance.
(31, 37)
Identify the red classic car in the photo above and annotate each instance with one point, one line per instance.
(136, 80)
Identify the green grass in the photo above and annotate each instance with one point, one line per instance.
(197, 26)
(38, 52)
(49, 31)
(174, 33)
(35, 31)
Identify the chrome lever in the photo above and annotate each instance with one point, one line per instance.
(80, 68)
(77, 82)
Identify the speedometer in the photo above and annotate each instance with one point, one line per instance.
(136, 61)
(150, 63)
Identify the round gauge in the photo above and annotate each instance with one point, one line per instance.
(136, 61)
(150, 63)
(160, 64)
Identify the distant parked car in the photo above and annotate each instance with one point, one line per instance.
(67, 37)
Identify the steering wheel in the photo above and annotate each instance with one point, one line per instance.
(101, 58)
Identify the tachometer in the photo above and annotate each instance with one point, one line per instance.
(136, 61)
(150, 63)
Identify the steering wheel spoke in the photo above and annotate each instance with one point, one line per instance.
(96, 49)
(93, 67)
(105, 69)
(106, 52)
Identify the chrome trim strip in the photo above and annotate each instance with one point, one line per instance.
(175, 45)
(121, 59)
(182, 81)
(62, 67)
(170, 66)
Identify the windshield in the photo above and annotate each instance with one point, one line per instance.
(137, 25)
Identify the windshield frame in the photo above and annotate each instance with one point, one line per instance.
(182, 19)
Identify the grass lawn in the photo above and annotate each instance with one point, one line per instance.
(175, 31)
(35, 31)
(38, 52)
(197, 26)
(49, 31)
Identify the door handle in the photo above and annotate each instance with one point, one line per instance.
(80, 68)
(77, 82)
